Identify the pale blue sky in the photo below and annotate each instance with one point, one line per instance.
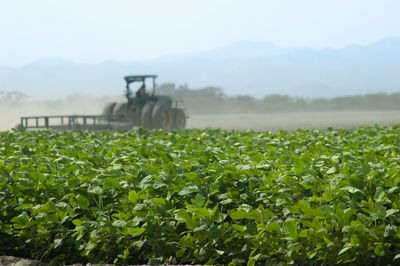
(91, 31)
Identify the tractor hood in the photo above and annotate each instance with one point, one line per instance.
(166, 98)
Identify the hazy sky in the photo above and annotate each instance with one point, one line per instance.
(90, 31)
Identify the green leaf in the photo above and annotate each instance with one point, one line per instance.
(238, 227)
(133, 196)
(83, 202)
(145, 183)
(227, 201)
(48, 207)
(187, 217)
(354, 241)
(191, 175)
(77, 222)
(344, 250)
(331, 170)
(26, 183)
(136, 231)
(291, 227)
(298, 166)
(187, 242)
(180, 252)
(273, 227)
(240, 214)
(57, 242)
(188, 190)
(220, 252)
(380, 196)
(26, 207)
(311, 254)
(52, 218)
(390, 230)
(111, 183)
(119, 223)
(202, 212)
(138, 244)
(20, 221)
(352, 190)
(246, 207)
(251, 228)
(379, 250)
(95, 190)
(251, 262)
(159, 184)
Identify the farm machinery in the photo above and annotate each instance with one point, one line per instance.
(143, 108)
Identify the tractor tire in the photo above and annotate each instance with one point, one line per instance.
(120, 110)
(162, 115)
(178, 118)
(132, 114)
(146, 119)
(109, 109)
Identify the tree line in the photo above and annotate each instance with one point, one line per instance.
(210, 100)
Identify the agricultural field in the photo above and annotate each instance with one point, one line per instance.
(267, 121)
(294, 120)
(202, 196)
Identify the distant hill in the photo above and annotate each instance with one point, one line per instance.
(255, 69)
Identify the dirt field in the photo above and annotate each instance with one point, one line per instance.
(292, 121)
(264, 122)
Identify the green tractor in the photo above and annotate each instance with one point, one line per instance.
(145, 108)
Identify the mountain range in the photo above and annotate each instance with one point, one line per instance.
(242, 68)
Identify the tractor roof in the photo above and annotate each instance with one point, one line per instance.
(134, 78)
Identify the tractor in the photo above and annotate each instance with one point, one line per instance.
(146, 108)
(143, 108)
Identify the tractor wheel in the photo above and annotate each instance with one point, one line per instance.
(132, 114)
(120, 110)
(178, 118)
(109, 109)
(146, 119)
(162, 115)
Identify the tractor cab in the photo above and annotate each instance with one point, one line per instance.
(143, 90)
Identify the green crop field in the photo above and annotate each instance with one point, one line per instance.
(202, 196)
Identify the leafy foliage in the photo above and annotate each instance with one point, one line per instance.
(211, 196)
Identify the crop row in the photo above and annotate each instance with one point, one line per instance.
(202, 196)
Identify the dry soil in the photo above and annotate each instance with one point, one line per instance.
(9, 117)
(294, 120)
